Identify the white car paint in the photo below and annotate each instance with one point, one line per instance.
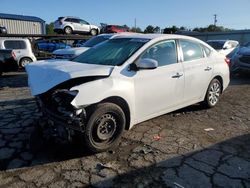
(69, 53)
(148, 93)
(20, 51)
(80, 26)
(227, 47)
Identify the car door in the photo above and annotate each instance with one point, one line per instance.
(162, 88)
(76, 24)
(197, 70)
(18, 46)
(84, 26)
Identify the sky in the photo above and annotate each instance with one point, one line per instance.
(163, 13)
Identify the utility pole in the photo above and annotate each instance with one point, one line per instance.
(135, 23)
(215, 19)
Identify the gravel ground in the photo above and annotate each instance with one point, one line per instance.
(192, 147)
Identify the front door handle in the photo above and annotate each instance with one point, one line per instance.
(178, 75)
(208, 69)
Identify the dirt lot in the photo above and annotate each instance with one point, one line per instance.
(173, 150)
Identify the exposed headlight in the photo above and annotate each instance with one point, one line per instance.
(73, 92)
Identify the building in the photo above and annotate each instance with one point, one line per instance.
(19, 24)
(242, 36)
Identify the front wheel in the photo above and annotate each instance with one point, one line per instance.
(213, 93)
(104, 128)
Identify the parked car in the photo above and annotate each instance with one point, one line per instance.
(69, 25)
(3, 30)
(124, 81)
(22, 49)
(7, 61)
(73, 52)
(240, 61)
(223, 46)
(79, 43)
(114, 29)
(50, 46)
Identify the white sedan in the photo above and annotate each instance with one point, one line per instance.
(124, 81)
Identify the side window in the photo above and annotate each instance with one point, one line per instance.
(164, 52)
(206, 50)
(75, 20)
(191, 50)
(10, 44)
(68, 20)
(84, 22)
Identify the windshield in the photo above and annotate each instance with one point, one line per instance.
(217, 45)
(96, 40)
(112, 52)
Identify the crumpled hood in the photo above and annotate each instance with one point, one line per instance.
(244, 51)
(75, 51)
(44, 75)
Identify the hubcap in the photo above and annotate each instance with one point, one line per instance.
(106, 127)
(25, 62)
(214, 93)
(93, 32)
(68, 30)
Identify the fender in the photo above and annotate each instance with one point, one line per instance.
(95, 91)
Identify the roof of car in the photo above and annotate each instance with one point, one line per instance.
(221, 40)
(20, 17)
(154, 36)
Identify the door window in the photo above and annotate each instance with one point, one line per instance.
(165, 53)
(191, 50)
(11, 44)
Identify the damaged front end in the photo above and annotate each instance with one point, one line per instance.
(56, 107)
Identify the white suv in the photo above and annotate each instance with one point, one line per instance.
(21, 48)
(69, 25)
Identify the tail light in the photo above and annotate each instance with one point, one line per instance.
(13, 54)
(228, 61)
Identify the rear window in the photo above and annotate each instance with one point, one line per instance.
(12, 44)
(217, 45)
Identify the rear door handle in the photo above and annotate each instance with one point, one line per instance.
(208, 69)
(178, 75)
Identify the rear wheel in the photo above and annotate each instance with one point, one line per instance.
(104, 128)
(213, 93)
(24, 61)
(93, 32)
(68, 30)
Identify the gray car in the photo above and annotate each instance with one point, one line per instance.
(240, 61)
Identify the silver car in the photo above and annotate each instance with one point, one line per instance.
(69, 25)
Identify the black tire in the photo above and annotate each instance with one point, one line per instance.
(68, 30)
(93, 32)
(105, 127)
(213, 93)
(24, 61)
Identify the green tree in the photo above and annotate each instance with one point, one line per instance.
(211, 28)
(149, 29)
(136, 30)
(50, 28)
(171, 30)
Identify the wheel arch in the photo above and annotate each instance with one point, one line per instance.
(122, 103)
(19, 61)
(218, 77)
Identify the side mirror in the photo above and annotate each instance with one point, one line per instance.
(147, 63)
